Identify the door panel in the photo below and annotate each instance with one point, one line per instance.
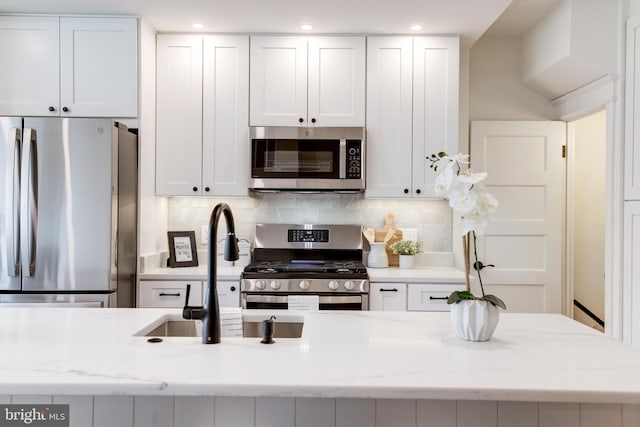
(74, 198)
(526, 173)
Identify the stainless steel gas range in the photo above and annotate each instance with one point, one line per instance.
(295, 265)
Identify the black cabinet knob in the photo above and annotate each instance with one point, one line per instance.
(406, 191)
(195, 188)
(206, 189)
(65, 109)
(52, 108)
(301, 120)
(418, 191)
(313, 120)
(233, 289)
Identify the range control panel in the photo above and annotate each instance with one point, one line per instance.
(303, 236)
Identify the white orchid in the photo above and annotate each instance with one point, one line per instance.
(469, 199)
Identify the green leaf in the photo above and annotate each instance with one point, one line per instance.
(494, 300)
(457, 296)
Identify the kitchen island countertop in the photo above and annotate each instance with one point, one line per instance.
(405, 355)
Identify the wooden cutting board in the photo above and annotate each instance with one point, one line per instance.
(394, 259)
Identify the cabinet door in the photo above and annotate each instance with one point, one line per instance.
(389, 116)
(435, 105)
(388, 297)
(29, 75)
(99, 67)
(225, 132)
(166, 293)
(228, 294)
(179, 115)
(632, 112)
(278, 81)
(336, 81)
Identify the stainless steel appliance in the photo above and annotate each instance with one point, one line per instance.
(68, 212)
(308, 260)
(307, 159)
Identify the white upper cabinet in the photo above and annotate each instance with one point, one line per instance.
(307, 81)
(73, 67)
(29, 75)
(202, 109)
(98, 67)
(179, 115)
(412, 112)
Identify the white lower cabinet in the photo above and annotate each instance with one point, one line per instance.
(228, 293)
(388, 297)
(167, 293)
(431, 296)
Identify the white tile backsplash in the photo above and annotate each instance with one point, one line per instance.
(431, 218)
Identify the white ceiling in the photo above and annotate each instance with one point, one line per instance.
(469, 18)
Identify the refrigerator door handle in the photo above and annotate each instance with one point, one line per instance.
(30, 202)
(13, 217)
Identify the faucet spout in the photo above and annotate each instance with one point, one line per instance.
(210, 312)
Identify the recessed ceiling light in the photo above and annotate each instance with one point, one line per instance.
(306, 27)
(197, 26)
(416, 27)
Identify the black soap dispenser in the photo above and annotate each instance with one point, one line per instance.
(268, 328)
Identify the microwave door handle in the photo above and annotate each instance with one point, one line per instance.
(13, 217)
(343, 159)
(30, 202)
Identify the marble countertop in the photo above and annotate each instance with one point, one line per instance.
(532, 357)
(414, 275)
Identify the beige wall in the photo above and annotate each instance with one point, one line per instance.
(587, 181)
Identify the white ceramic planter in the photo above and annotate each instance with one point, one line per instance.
(378, 256)
(406, 261)
(475, 320)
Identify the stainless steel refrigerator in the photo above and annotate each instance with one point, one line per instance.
(68, 212)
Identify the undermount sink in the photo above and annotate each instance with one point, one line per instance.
(286, 326)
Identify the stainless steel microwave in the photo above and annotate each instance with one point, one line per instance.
(307, 159)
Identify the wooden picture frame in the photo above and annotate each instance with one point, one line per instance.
(182, 249)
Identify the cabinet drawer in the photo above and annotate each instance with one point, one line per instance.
(168, 294)
(430, 297)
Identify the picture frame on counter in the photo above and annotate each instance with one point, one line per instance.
(182, 249)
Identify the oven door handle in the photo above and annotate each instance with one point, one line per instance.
(328, 299)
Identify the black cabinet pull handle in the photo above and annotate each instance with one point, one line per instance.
(65, 109)
(388, 290)
(406, 191)
(438, 297)
(418, 191)
(233, 289)
(195, 188)
(313, 120)
(206, 189)
(52, 108)
(165, 294)
(301, 120)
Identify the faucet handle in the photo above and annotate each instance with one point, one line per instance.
(186, 299)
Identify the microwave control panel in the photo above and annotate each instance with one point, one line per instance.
(354, 159)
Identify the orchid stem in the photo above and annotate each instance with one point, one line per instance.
(475, 265)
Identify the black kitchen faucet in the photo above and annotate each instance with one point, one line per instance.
(210, 312)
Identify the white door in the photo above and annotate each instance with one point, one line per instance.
(29, 75)
(98, 67)
(225, 109)
(278, 81)
(389, 116)
(388, 297)
(526, 173)
(179, 115)
(336, 81)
